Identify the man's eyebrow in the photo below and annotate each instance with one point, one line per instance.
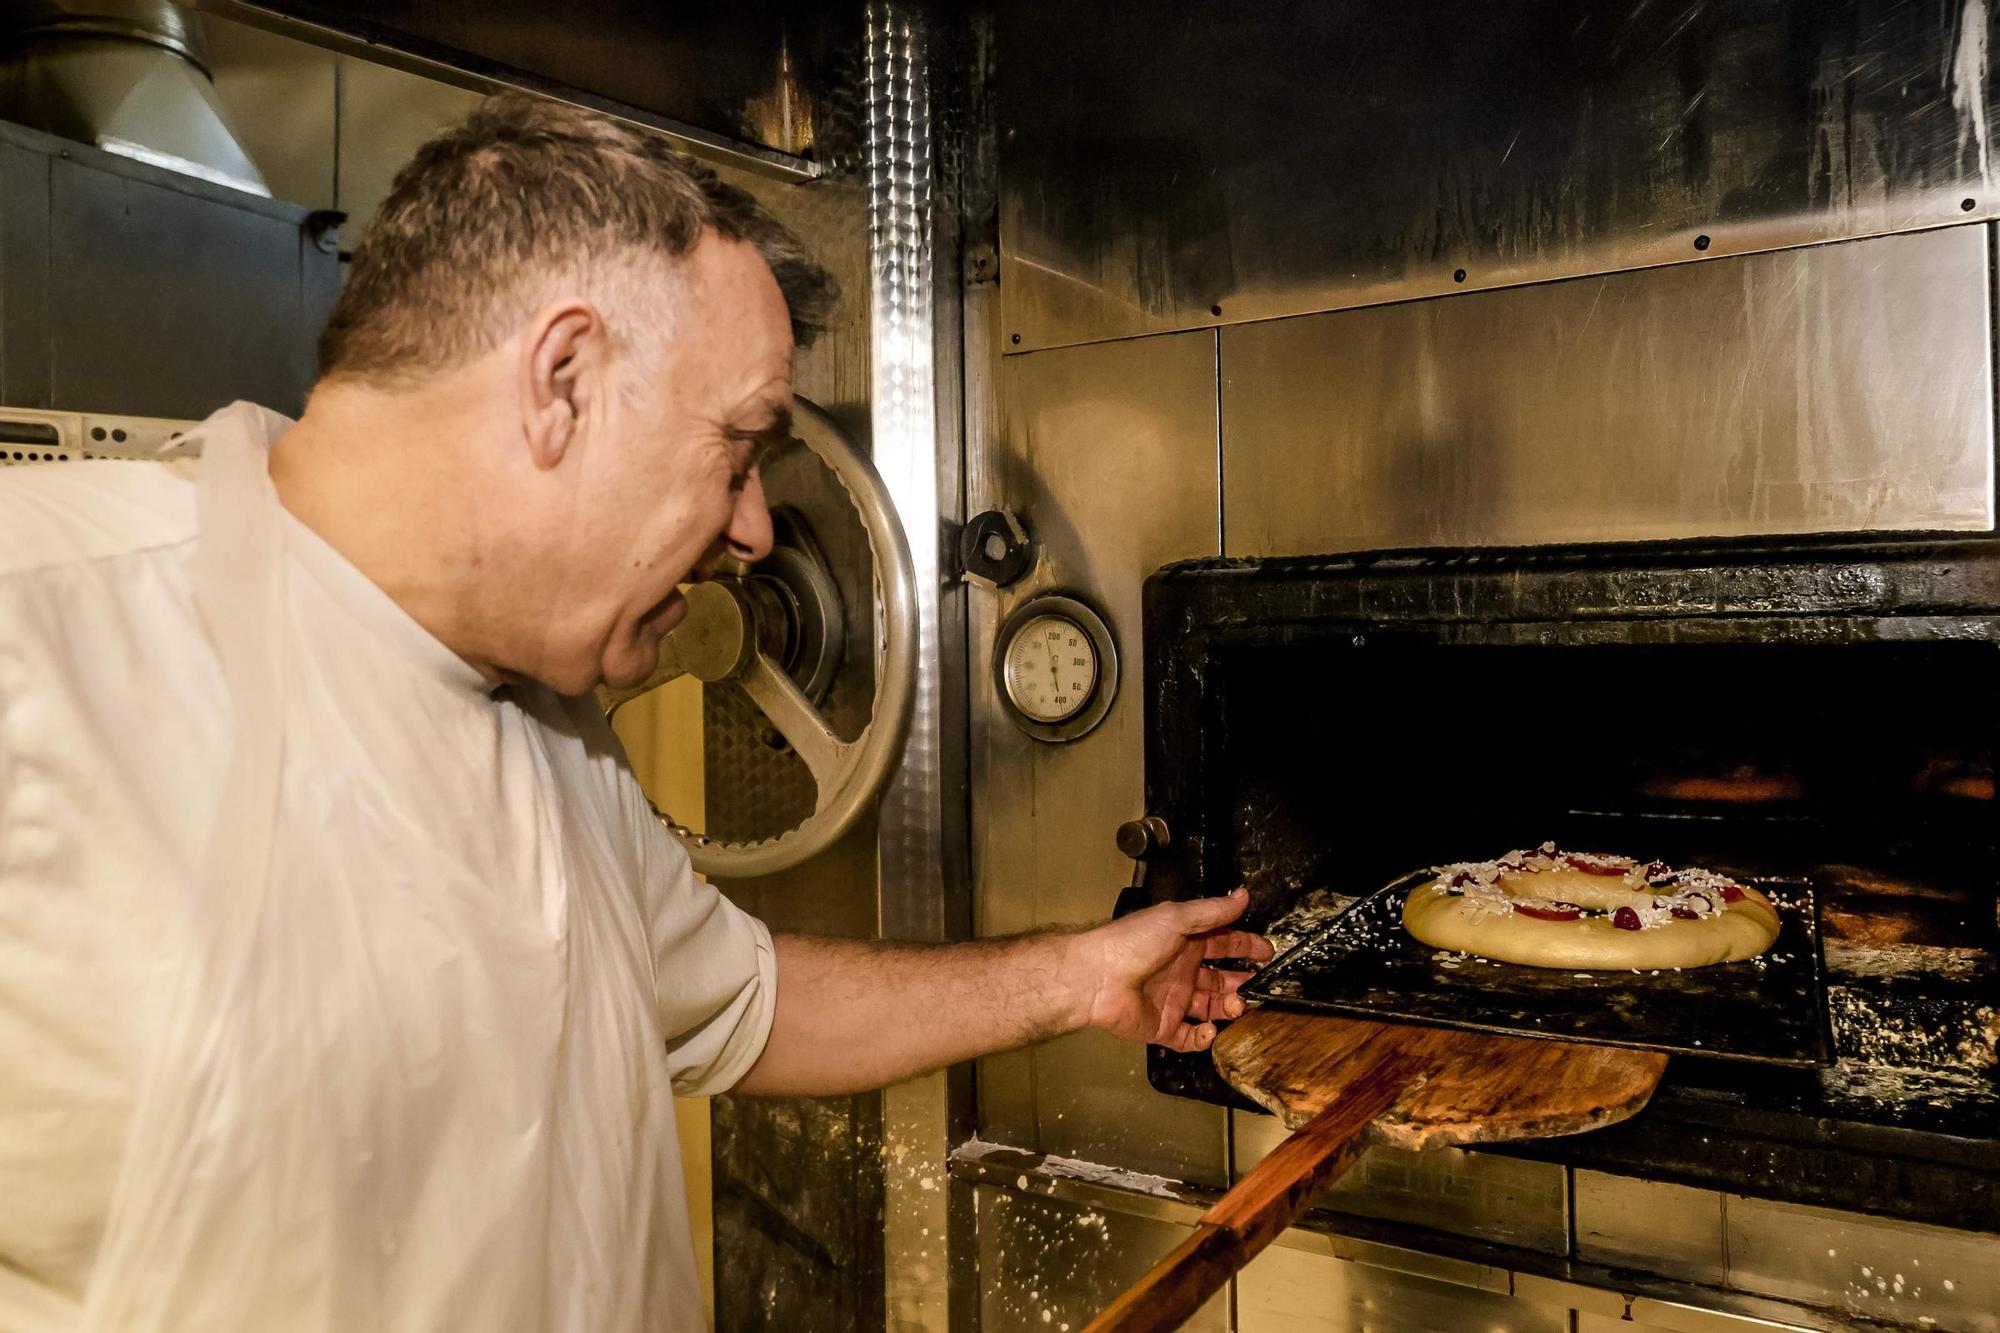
(777, 433)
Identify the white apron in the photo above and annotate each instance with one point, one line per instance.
(413, 1079)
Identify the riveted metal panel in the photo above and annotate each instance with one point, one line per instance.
(1108, 455)
(1216, 161)
(1836, 389)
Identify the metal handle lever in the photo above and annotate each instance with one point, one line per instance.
(1139, 839)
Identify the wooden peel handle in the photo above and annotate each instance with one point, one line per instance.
(1262, 1204)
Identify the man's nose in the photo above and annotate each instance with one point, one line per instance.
(749, 531)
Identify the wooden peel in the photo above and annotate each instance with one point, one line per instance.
(1343, 1085)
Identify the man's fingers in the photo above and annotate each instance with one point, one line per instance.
(1203, 914)
(1213, 1004)
(1191, 1037)
(1211, 979)
(1238, 944)
(1228, 982)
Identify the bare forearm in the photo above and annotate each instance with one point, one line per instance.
(855, 1014)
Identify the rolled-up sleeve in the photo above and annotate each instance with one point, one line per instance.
(715, 976)
(716, 979)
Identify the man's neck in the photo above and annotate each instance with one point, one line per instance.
(373, 474)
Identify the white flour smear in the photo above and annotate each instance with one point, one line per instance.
(1094, 1173)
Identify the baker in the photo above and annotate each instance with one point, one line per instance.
(345, 977)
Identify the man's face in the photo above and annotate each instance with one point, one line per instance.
(672, 483)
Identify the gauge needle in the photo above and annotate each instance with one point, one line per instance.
(1055, 670)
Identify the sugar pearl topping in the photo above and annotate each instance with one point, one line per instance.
(1677, 894)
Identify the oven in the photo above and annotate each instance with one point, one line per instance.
(1811, 714)
(1477, 428)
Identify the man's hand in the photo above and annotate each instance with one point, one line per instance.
(1151, 985)
(855, 1014)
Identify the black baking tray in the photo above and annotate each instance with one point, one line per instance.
(1363, 964)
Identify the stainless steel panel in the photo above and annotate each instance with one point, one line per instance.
(1109, 454)
(1902, 1272)
(1857, 1266)
(1287, 1290)
(1501, 1199)
(1671, 1230)
(1046, 1266)
(1843, 388)
(1637, 1318)
(1619, 1294)
(1217, 161)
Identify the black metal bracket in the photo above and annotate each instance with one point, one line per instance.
(994, 549)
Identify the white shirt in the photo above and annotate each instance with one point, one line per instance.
(419, 1075)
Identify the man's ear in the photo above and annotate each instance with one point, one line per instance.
(564, 339)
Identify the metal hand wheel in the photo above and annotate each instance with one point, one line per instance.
(726, 637)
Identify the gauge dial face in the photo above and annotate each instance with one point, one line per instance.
(1051, 668)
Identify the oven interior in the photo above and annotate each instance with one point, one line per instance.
(1347, 760)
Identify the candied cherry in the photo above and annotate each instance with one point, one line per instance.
(1731, 894)
(1625, 919)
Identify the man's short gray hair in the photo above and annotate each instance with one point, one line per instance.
(526, 189)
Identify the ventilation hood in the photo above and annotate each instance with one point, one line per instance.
(128, 76)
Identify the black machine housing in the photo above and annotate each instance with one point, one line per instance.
(1822, 708)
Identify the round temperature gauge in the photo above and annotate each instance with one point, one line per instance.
(1056, 668)
(1051, 669)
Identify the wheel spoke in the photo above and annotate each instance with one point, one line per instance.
(670, 668)
(796, 719)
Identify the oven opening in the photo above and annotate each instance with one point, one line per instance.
(1345, 763)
